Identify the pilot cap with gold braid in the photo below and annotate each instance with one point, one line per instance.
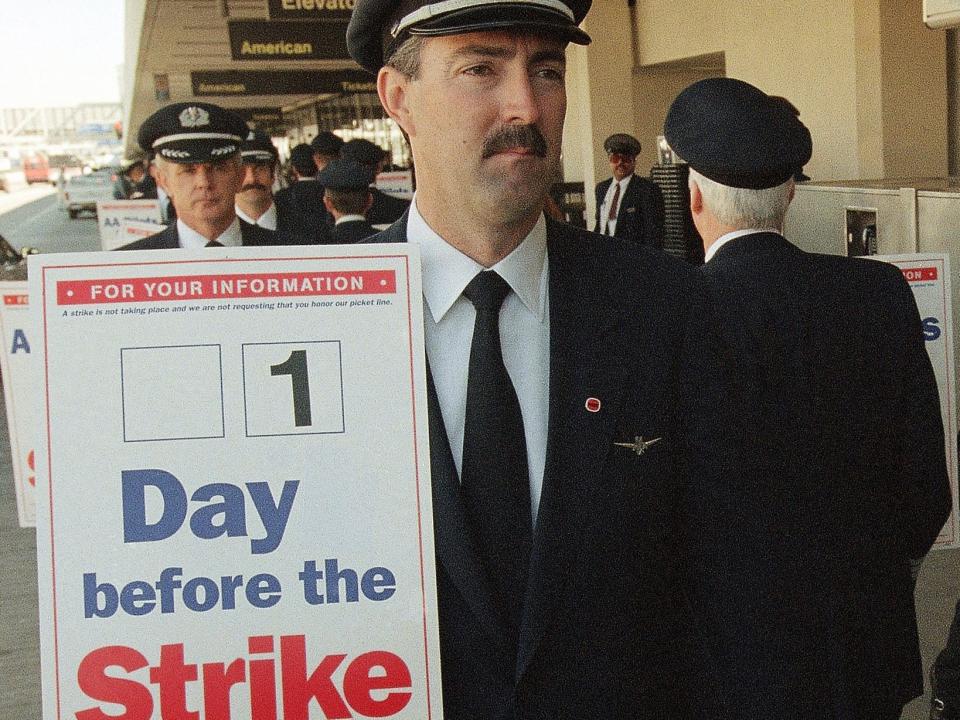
(378, 27)
(192, 132)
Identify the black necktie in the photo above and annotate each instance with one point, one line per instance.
(495, 482)
(214, 243)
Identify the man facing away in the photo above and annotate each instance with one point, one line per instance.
(800, 549)
(302, 201)
(553, 398)
(346, 195)
(197, 148)
(628, 206)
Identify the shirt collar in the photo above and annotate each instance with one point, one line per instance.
(267, 220)
(190, 238)
(446, 270)
(724, 239)
(350, 218)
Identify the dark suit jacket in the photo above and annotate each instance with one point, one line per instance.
(385, 208)
(602, 634)
(169, 238)
(300, 212)
(799, 571)
(352, 231)
(640, 216)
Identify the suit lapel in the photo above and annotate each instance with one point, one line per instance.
(586, 350)
(452, 537)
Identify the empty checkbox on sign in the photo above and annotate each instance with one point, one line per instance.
(172, 392)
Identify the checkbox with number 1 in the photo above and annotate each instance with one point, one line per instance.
(293, 388)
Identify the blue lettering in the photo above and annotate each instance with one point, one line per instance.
(234, 520)
(134, 485)
(378, 584)
(931, 328)
(19, 342)
(92, 594)
(273, 515)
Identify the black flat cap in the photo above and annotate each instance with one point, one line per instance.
(378, 27)
(192, 132)
(326, 143)
(735, 134)
(622, 144)
(345, 175)
(363, 151)
(258, 148)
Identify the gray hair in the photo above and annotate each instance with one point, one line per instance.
(745, 208)
(406, 58)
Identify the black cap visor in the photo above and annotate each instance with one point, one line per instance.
(503, 17)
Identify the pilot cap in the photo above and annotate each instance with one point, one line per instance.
(345, 175)
(192, 132)
(622, 144)
(363, 151)
(735, 134)
(378, 27)
(258, 148)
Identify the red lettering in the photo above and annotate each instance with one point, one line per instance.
(358, 682)
(172, 675)
(263, 680)
(217, 681)
(97, 685)
(375, 684)
(298, 689)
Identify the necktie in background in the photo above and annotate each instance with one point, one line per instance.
(495, 482)
(614, 208)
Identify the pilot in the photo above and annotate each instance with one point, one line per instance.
(347, 197)
(197, 147)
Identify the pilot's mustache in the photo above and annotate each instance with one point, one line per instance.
(528, 137)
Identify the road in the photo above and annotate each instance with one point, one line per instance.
(32, 218)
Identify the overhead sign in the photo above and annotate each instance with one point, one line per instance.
(316, 40)
(929, 277)
(236, 519)
(280, 82)
(17, 365)
(310, 9)
(261, 116)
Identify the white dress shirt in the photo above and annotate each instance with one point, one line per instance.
(724, 239)
(609, 228)
(268, 220)
(190, 238)
(524, 334)
(349, 218)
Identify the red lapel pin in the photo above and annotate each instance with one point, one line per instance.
(592, 405)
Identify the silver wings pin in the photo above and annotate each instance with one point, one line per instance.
(639, 445)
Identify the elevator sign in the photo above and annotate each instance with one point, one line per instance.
(235, 519)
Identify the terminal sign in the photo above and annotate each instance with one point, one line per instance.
(317, 40)
(310, 9)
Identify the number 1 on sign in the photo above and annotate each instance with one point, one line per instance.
(296, 367)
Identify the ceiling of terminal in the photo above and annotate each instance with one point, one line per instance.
(268, 55)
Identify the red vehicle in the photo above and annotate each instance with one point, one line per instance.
(36, 169)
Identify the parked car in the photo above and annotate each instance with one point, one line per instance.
(83, 191)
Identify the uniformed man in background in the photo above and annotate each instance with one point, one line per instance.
(347, 198)
(198, 165)
(384, 209)
(629, 206)
(800, 550)
(301, 202)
